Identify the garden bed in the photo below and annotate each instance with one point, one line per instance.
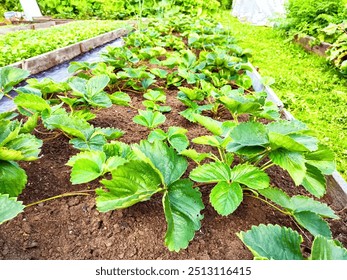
(73, 228)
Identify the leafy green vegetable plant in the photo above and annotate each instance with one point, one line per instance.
(158, 170)
(150, 119)
(9, 77)
(272, 242)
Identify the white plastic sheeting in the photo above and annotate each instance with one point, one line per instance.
(31, 9)
(258, 12)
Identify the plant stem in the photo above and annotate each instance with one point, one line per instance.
(270, 204)
(267, 165)
(55, 197)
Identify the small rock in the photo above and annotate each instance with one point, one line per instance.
(26, 228)
(73, 202)
(40, 204)
(31, 244)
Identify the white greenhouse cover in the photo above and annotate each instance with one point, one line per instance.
(31, 9)
(258, 12)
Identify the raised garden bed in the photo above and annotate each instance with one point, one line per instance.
(72, 228)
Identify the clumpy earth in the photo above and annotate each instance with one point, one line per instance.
(71, 227)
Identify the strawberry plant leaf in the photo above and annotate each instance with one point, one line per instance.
(116, 148)
(313, 223)
(211, 172)
(286, 127)
(326, 249)
(30, 124)
(31, 102)
(251, 176)
(248, 135)
(314, 181)
(303, 203)
(120, 98)
(170, 165)
(28, 145)
(9, 207)
(182, 205)
(285, 141)
(323, 159)
(9, 77)
(93, 143)
(86, 166)
(157, 134)
(278, 196)
(149, 119)
(293, 162)
(133, 182)
(210, 140)
(13, 178)
(177, 138)
(226, 198)
(212, 125)
(272, 242)
(194, 155)
(96, 84)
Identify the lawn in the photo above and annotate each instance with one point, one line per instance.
(312, 91)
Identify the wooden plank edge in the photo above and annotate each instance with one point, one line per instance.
(336, 185)
(50, 59)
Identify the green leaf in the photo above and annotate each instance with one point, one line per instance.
(120, 98)
(250, 176)
(249, 134)
(194, 155)
(325, 249)
(273, 242)
(9, 77)
(9, 208)
(278, 196)
(182, 205)
(155, 96)
(149, 119)
(94, 143)
(9, 130)
(209, 140)
(86, 166)
(157, 134)
(131, 183)
(31, 102)
(30, 124)
(212, 125)
(211, 172)
(313, 223)
(100, 99)
(226, 197)
(96, 84)
(116, 148)
(287, 142)
(303, 203)
(13, 178)
(314, 181)
(286, 127)
(27, 144)
(177, 138)
(323, 159)
(293, 162)
(170, 165)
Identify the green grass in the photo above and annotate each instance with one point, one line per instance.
(312, 91)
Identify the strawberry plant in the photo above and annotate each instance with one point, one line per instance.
(272, 242)
(9, 77)
(158, 170)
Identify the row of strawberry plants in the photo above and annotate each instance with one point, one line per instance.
(28, 43)
(207, 69)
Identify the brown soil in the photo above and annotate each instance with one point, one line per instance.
(72, 228)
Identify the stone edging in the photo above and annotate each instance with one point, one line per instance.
(336, 185)
(47, 60)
